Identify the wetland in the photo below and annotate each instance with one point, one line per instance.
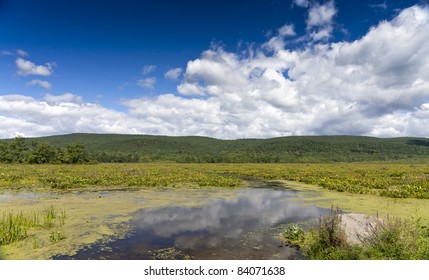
(182, 211)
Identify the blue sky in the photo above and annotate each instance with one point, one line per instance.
(226, 69)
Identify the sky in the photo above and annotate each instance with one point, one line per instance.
(227, 69)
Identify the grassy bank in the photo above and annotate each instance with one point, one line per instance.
(388, 239)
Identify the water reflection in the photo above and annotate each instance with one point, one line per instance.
(235, 228)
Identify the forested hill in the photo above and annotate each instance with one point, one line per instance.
(145, 148)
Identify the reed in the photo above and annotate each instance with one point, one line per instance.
(15, 226)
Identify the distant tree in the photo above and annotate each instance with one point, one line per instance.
(17, 150)
(42, 152)
(5, 156)
(76, 153)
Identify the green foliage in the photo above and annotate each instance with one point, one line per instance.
(294, 149)
(19, 151)
(42, 152)
(294, 235)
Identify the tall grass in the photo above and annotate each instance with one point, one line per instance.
(15, 226)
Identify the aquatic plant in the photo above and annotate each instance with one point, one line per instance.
(294, 235)
(382, 179)
(56, 236)
(15, 226)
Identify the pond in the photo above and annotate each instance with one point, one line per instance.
(244, 226)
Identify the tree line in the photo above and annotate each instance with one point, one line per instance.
(35, 152)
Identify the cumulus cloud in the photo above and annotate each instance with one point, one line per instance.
(27, 116)
(26, 68)
(44, 84)
(173, 74)
(377, 85)
(147, 83)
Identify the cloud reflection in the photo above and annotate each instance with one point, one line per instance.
(208, 226)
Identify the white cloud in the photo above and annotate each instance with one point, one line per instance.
(173, 74)
(148, 83)
(26, 68)
(191, 89)
(377, 85)
(301, 3)
(147, 69)
(44, 84)
(320, 19)
(26, 116)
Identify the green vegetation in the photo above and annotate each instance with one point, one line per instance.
(64, 177)
(294, 235)
(392, 239)
(193, 149)
(388, 180)
(15, 226)
(21, 150)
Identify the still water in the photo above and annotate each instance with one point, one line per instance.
(245, 226)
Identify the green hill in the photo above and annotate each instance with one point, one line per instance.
(147, 148)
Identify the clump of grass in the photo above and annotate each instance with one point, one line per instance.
(49, 216)
(15, 226)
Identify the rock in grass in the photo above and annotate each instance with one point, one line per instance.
(358, 226)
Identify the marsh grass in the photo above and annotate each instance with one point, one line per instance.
(14, 227)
